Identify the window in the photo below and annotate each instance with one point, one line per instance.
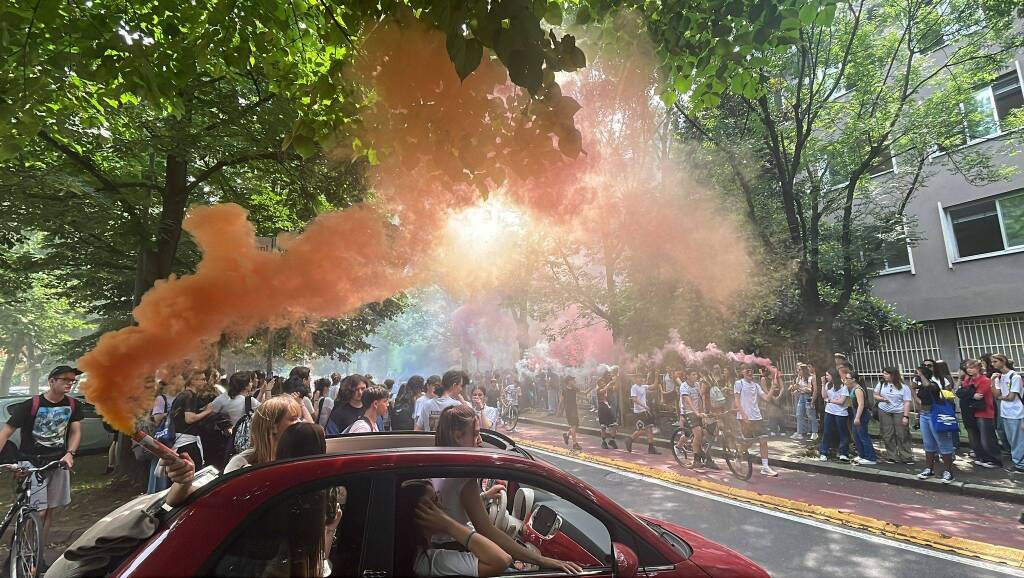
(897, 258)
(884, 163)
(540, 520)
(281, 538)
(989, 226)
(986, 113)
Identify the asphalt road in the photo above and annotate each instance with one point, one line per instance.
(785, 545)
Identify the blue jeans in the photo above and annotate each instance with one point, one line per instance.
(1015, 437)
(860, 436)
(835, 424)
(941, 442)
(806, 420)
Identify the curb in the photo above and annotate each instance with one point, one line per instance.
(1001, 554)
(1011, 495)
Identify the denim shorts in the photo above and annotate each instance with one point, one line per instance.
(941, 442)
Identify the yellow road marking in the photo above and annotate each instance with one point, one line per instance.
(1002, 554)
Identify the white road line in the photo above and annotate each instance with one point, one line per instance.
(973, 562)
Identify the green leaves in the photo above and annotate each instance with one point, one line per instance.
(465, 53)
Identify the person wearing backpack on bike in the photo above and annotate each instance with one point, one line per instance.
(51, 429)
(861, 410)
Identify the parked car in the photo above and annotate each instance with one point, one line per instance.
(95, 437)
(245, 523)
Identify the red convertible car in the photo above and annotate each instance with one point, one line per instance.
(244, 523)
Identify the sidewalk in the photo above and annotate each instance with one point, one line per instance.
(996, 484)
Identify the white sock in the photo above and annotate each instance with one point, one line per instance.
(764, 462)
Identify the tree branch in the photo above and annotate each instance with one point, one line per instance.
(237, 160)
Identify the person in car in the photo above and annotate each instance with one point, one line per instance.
(461, 499)
(313, 521)
(415, 556)
(375, 406)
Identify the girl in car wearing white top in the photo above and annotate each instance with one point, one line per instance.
(415, 556)
(461, 499)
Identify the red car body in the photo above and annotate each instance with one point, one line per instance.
(189, 539)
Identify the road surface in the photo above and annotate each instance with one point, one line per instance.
(785, 545)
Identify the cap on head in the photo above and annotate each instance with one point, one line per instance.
(62, 369)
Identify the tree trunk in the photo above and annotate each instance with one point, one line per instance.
(33, 359)
(8, 371)
(157, 262)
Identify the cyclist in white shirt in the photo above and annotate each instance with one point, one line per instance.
(644, 416)
(746, 394)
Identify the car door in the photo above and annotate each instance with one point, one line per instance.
(584, 535)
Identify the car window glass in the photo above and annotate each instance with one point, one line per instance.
(289, 536)
(539, 520)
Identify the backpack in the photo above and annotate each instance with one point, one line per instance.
(241, 439)
(401, 417)
(944, 417)
(165, 430)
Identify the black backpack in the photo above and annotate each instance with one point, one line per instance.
(241, 438)
(401, 417)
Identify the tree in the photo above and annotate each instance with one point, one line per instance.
(855, 87)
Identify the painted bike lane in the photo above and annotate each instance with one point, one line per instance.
(911, 512)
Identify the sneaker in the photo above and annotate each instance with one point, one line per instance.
(814, 437)
(796, 437)
(890, 461)
(766, 471)
(856, 461)
(989, 465)
(565, 437)
(947, 477)
(577, 447)
(925, 474)
(653, 451)
(822, 458)
(613, 445)
(909, 462)
(863, 462)
(1018, 470)
(604, 444)
(843, 458)
(696, 465)
(711, 465)
(629, 445)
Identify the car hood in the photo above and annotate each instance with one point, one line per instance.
(715, 559)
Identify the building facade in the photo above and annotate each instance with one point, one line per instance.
(963, 279)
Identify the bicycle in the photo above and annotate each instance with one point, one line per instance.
(717, 431)
(508, 414)
(27, 546)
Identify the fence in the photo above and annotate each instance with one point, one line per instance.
(902, 349)
(1003, 334)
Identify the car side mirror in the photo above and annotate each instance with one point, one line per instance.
(626, 562)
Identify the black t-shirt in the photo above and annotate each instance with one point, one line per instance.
(569, 401)
(345, 415)
(46, 435)
(186, 401)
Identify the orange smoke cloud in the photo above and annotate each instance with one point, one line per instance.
(440, 142)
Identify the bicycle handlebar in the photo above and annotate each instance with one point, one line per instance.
(19, 469)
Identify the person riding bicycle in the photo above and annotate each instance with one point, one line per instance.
(691, 418)
(51, 429)
(511, 394)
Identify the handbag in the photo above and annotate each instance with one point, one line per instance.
(944, 417)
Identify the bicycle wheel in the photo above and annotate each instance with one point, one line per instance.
(513, 418)
(739, 461)
(27, 546)
(680, 453)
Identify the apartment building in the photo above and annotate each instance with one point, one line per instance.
(964, 279)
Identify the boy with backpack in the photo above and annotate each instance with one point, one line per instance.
(51, 429)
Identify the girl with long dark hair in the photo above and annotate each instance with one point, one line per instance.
(929, 393)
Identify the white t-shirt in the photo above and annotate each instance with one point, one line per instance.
(234, 408)
(159, 406)
(639, 394)
(417, 409)
(894, 398)
(448, 493)
(431, 412)
(1010, 382)
(332, 392)
(362, 426)
(240, 460)
(434, 562)
(692, 392)
(836, 400)
(512, 394)
(308, 404)
(325, 411)
(491, 413)
(749, 392)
